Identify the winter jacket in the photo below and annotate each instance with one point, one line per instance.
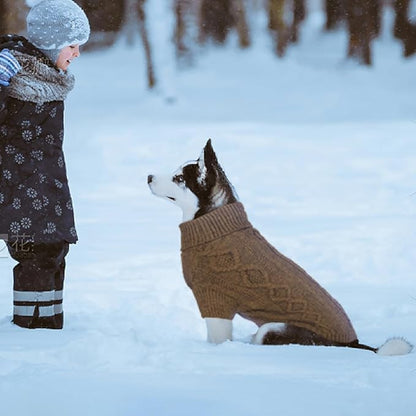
(232, 269)
(3, 97)
(35, 199)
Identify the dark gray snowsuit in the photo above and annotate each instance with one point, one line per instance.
(36, 214)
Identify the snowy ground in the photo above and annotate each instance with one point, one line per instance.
(323, 155)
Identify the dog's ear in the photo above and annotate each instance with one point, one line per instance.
(207, 164)
(208, 156)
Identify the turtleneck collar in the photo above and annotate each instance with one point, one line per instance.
(216, 224)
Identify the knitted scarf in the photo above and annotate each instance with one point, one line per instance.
(232, 269)
(38, 82)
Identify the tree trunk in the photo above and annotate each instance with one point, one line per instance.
(359, 36)
(363, 17)
(151, 80)
(299, 14)
(106, 20)
(335, 13)
(215, 21)
(104, 15)
(403, 28)
(13, 16)
(2, 18)
(285, 17)
(180, 8)
(277, 25)
(240, 19)
(376, 8)
(401, 8)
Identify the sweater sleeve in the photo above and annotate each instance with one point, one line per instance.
(213, 303)
(3, 97)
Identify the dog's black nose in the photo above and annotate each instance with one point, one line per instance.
(150, 179)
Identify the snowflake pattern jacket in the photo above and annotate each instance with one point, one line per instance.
(35, 201)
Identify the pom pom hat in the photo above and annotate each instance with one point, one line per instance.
(54, 24)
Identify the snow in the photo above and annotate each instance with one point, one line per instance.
(321, 152)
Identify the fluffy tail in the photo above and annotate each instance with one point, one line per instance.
(393, 346)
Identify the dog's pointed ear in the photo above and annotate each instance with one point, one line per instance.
(208, 158)
(207, 164)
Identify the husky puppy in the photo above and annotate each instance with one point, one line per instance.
(232, 269)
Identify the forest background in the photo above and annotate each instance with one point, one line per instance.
(198, 23)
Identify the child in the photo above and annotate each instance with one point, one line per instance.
(36, 216)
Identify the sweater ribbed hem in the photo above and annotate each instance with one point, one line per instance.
(216, 224)
(217, 304)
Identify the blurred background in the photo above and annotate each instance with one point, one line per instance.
(200, 23)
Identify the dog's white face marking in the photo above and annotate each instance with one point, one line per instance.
(202, 169)
(174, 189)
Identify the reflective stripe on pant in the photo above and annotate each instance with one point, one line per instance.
(38, 285)
(48, 296)
(49, 303)
(44, 311)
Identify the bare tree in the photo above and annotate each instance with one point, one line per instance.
(186, 12)
(13, 16)
(2, 18)
(215, 20)
(285, 17)
(106, 20)
(179, 10)
(277, 25)
(218, 17)
(299, 15)
(363, 18)
(151, 79)
(335, 13)
(133, 23)
(238, 11)
(404, 29)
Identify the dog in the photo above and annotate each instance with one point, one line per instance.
(232, 269)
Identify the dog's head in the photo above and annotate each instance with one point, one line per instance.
(197, 187)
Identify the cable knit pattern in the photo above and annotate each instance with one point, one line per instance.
(232, 269)
(38, 82)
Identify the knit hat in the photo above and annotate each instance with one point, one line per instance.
(54, 24)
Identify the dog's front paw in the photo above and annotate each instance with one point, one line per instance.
(219, 330)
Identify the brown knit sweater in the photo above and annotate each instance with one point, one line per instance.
(232, 269)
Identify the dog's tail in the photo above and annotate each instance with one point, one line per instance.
(393, 346)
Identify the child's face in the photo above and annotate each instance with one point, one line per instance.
(66, 56)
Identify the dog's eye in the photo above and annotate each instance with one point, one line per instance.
(179, 179)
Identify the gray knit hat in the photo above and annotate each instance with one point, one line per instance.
(54, 24)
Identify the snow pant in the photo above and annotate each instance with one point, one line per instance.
(38, 285)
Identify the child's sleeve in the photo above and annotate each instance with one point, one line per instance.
(3, 98)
